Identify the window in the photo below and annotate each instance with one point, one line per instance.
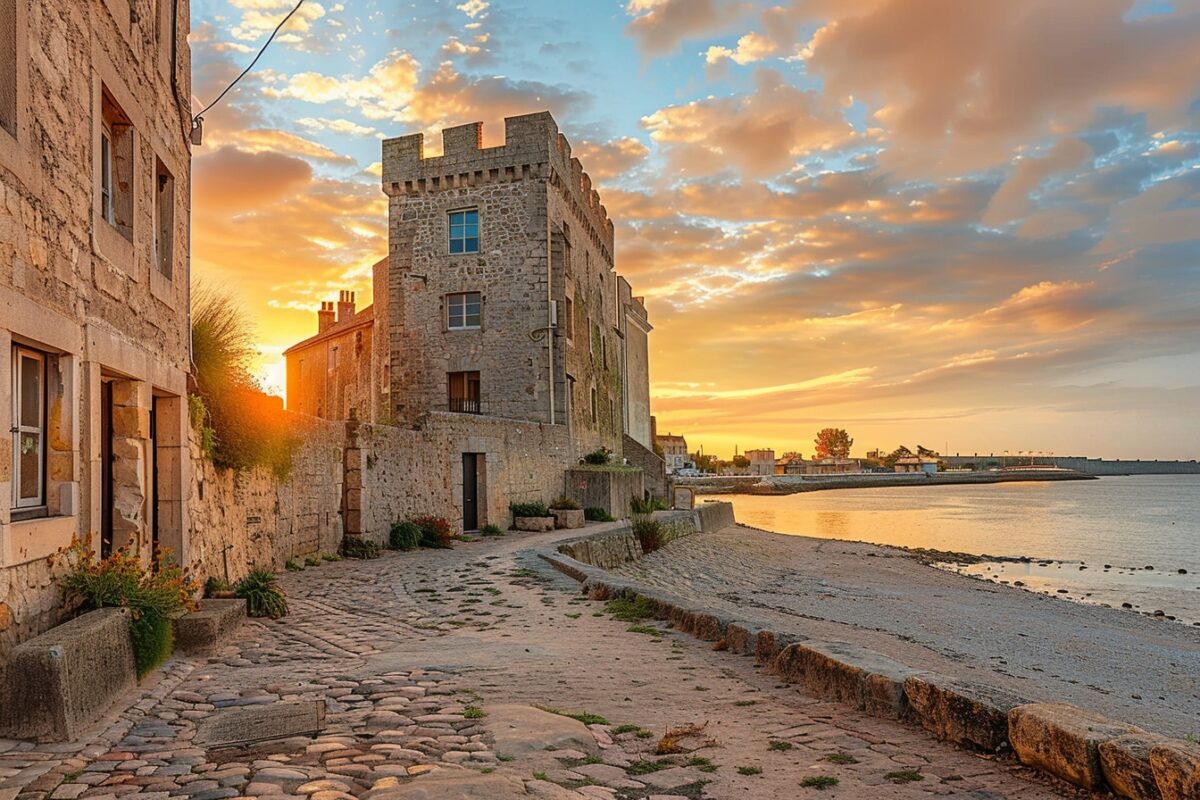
(566, 232)
(463, 311)
(594, 402)
(164, 219)
(568, 318)
(358, 343)
(464, 392)
(8, 66)
(116, 165)
(333, 355)
(29, 428)
(464, 231)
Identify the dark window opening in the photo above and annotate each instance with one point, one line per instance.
(464, 392)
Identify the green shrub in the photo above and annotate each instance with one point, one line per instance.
(153, 640)
(154, 597)
(649, 532)
(529, 509)
(312, 561)
(358, 547)
(640, 506)
(491, 530)
(593, 514)
(292, 565)
(629, 609)
(262, 594)
(331, 557)
(405, 535)
(214, 586)
(565, 503)
(435, 532)
(598, 457)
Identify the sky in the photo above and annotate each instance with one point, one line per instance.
(973, 226)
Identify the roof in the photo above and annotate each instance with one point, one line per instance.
(663, 438)
(361, 319)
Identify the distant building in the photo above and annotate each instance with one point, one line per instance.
(790, 464)
(674, 452)
(833, 466)
(917, 464)
(330, 374)
(762, 462)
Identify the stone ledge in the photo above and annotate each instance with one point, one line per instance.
(63, 681)
(961, 712)
(215, 621)
(1176, 766)
(1125, 761)
(1063, 740)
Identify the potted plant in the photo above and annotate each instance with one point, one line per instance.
(567, 513)
(531, 517)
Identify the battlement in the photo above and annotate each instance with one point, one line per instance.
(533, 149)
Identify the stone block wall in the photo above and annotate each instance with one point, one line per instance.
(610, 489)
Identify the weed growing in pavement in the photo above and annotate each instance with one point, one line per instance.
(749, 770)
(821, 782)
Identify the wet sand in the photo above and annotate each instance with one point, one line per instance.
(1119, 663)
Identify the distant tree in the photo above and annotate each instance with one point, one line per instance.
(925, 452)
(897, 454)
(741, 462)
(706, 463)
(792, 455)
(833, 443)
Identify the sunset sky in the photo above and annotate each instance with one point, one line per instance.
(969, 225)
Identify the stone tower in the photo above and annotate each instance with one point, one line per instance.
(499, 295)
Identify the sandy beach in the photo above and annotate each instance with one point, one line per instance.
(1128, 667)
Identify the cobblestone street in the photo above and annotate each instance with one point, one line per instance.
(428, 662)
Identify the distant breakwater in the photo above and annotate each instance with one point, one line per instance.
(794, 484)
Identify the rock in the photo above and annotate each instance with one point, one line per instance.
(535, 524)
(567, 518)
(670, 778)
(323, 785)
(603, 773)
(1125, 761)
(519, 730)
(961, 712)
(1176, 766)
(1063, 740)
(456, 785)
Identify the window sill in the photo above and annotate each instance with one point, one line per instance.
(26, 514)
(464, 330)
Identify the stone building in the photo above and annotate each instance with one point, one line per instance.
(330, 373)
(762, 461)
(499, 295)
(94, 186)
(674, 452)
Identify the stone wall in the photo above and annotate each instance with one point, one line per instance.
(654, 469)
(241, 519)
(612, 489)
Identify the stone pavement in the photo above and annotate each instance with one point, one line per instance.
(430, 663)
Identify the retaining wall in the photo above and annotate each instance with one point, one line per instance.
(1070, 743)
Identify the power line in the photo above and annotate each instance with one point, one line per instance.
(196, 118)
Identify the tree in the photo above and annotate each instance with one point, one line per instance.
(833, 443)
(705, 462)
(741, 462)
(897, 454)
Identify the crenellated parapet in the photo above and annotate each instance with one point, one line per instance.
(533, 149)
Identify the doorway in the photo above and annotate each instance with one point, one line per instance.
(106, 469)
(471, 493)
(154, 478)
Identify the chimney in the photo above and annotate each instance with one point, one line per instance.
(345, 306)
(325, 316)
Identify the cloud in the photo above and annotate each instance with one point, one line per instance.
(750, 48)
(759, 134)
(343, 127)
(659, 26)
(1013, 200)
(606, 160)
(260, 17)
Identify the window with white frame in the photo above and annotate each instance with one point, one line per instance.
(116, 165)
(464, 311)
(29, 428)
(464, 231)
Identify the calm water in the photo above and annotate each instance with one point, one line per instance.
(1128, 523)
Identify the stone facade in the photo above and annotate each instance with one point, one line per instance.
(330, 374)
(547, 341)
(762, 462)
(675, 452)
(94, 186)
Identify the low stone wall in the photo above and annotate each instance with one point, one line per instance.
(613, 489)
(1068, 742)
(615, 544)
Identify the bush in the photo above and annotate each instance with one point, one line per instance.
(565, 503)
(405, 535)
(649, 532)
(491, 530)
(214, 586)
(435, 532)
(358, 547)
(640, 506)
(153, 597)
(292, 565)
(593, 514)
(529, 509)
(598, 457)
(262, 594)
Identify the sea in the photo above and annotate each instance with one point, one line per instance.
(1125, 542)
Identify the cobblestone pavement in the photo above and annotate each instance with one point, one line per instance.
(411, 651)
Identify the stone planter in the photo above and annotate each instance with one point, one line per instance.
(537, 524)
(568, 517)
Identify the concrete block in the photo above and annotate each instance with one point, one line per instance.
(960, 712)
(239, 725)
(1125, 761)
(536, 524)
(848, 674)
(215, 621)
(567, 518)
(1063, 740)
(713, 516)
(1176, 766)
(60, 683)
